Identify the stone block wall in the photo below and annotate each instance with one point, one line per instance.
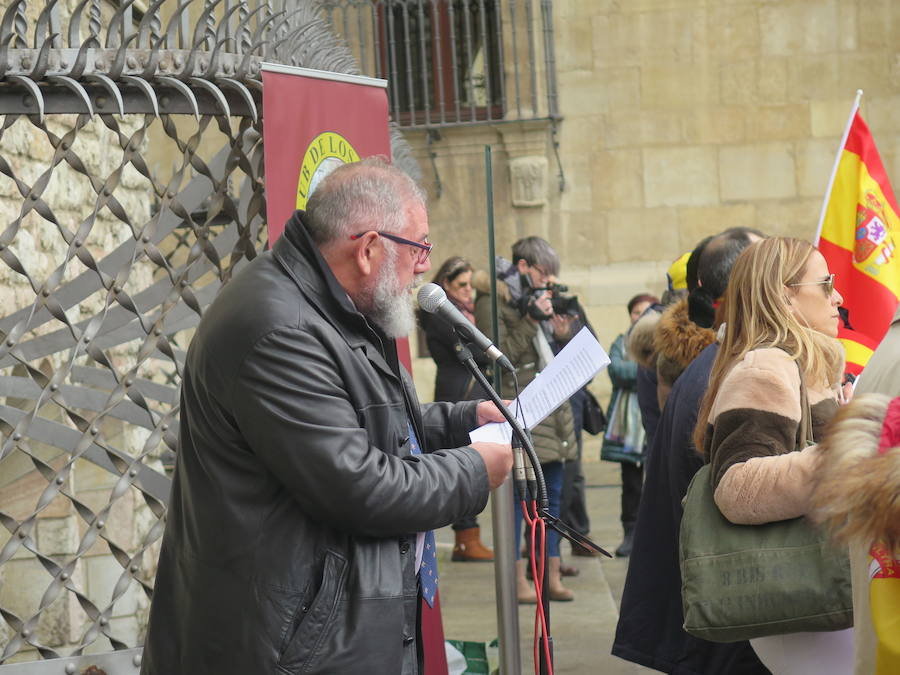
(680, 118)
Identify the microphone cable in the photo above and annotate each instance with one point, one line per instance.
(526, 489)
(537, 561)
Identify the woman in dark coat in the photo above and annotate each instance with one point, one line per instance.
(453, 382)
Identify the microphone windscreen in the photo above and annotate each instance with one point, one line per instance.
(430, 297)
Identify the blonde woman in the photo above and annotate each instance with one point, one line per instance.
(781, 325)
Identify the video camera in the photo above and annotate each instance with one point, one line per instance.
(562, 303)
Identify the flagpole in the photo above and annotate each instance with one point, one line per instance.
(837, 161)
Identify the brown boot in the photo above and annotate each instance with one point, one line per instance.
(468, 547)
(558, 592)
(524, 591)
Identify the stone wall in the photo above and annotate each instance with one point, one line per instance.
(680, 118)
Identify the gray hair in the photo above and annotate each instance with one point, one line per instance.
(536, 251)
(367, 195)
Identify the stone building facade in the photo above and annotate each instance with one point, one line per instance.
(679, 118)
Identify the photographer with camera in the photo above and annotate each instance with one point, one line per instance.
(530, 332)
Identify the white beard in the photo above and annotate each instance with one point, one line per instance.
(391, 307)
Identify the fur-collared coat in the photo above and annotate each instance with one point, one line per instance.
(857, 486)
(677, 341)
(858, 498)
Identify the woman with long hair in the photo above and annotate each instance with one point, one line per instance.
(453, 382)
(782, 320)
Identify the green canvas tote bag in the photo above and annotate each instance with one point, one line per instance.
(747, 581)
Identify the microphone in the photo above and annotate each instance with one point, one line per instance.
(433, 300)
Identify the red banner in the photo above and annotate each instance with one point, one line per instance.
(313, 122)
(860, 219)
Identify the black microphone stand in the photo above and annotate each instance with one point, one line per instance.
(522, 439)
(464, 354)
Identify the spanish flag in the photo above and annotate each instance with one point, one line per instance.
(857, 234)
(884, 598)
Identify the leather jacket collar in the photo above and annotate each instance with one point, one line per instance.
(301, 259)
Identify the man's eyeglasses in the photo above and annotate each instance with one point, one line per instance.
(828, 284)
(424, 247)
(544, 274)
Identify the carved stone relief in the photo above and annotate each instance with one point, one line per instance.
(529, 181)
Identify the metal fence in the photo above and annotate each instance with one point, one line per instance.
(130, 191)
(454, 62)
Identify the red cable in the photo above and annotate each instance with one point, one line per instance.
(530, 544)
(538, 578)
(540, 619)
(543, 617)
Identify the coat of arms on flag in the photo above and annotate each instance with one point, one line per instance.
(872, 232)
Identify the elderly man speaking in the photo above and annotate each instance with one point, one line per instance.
(298, 537)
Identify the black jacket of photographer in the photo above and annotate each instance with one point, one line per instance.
(291, 533)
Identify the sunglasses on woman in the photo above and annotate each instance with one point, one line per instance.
(827, 283)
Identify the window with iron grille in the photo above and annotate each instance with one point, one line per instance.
(442, 59)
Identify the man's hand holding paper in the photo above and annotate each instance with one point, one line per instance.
(579, 361)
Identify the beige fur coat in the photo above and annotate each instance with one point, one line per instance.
(759, 475)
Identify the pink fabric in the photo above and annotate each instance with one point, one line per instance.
(890, 430)
(467, 309)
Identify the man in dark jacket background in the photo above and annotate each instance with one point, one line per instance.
(304, 489)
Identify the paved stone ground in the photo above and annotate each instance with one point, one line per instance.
(583, 630)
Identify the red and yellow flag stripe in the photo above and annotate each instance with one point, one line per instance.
(857, 234)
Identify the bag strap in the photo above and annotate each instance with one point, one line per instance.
(804, 430)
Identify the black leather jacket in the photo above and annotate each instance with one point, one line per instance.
(290, 540)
